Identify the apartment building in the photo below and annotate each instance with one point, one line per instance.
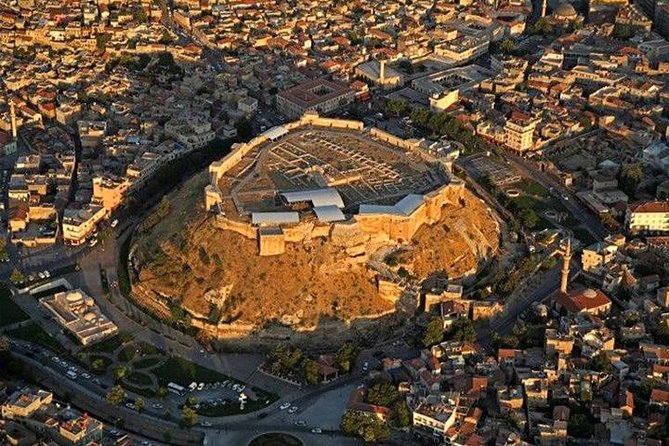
(25, 402)
(109, 191)
(519, 132)
(79, 224)
(320, 95)
(648, 217)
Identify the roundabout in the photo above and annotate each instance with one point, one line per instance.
(276, 439)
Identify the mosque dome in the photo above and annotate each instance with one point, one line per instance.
(565, 11)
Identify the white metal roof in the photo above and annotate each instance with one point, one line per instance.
(318, 197)
(328, 214)
(274, 218)
(405, 207)
(275, 132)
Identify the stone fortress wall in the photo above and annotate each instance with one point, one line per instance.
(360, 235)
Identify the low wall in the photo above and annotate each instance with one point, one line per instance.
(240, 227)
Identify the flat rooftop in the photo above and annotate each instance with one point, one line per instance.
(315, 92)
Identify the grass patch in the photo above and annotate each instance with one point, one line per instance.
(145, 363)
(148, 393)
(184, 372)
(276, 439)
(10, 313)
(232, 408)
(140, 379)
(35, 334)
(110, 344)
(127, 353)
(532, 187)
(148, 349)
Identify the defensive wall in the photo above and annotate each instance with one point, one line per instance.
(363, 230)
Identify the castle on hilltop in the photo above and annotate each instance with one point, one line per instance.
(361, 188)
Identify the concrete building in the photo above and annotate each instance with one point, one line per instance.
(437, 418)
(320, 95)
(80, 315)
(79, 224)
(25, 402)
(648, 217)
(109, 191)
(519, 132)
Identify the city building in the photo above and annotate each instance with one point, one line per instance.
(648, 217)
(320, 95)
(79, 314)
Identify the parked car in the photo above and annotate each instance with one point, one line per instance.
(284, 406)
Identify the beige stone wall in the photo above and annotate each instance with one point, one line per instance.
(239, 227)
(271, 244)
(389, 290)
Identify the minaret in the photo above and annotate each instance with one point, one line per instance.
(566, 259)
(543, 8)
(382, 70)
(12, 113)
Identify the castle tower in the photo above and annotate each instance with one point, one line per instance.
(12, 113)
(566, 259)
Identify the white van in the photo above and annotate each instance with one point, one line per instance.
(70, 374)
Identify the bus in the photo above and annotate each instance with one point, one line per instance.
(176, 388)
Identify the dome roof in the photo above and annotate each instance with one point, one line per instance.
(565, 10)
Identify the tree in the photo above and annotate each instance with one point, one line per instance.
(139, 404)
(434, 332)
(543, 26)
(372, 430)
(121, 372)
(116, 395)
(508, 46)
(139, 15)
(311, 371)
(346, 356)
(528, 218)
(244, 128)
(609, 221)
(98, 365)
(161, 392)
(462, 330)
(383, 394)
(396, 107)
(17, 276)
(188, 417)
(191, 401)
(579, 426)
(630, 177)
(400, 415)
(101, 41)
(600, 363)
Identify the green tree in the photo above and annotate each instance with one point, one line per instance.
(579, 426)
(396, 107)
(116, 395)
(98, 365)
(600, 363)
(188, 417)
(462, 330)
(244, 128)
(609, 221)
(161, 392)
(400, 415)
(383, 394)
(434, 332)
(543, 27)
(139, 404)
(507, 46)
(140, 15)
(311, 371)
(630, 177)
(346, 356)
(121, 372)
(17, 276)
(191, 401)
(528, 218)
(101, 40)
(372, 430)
